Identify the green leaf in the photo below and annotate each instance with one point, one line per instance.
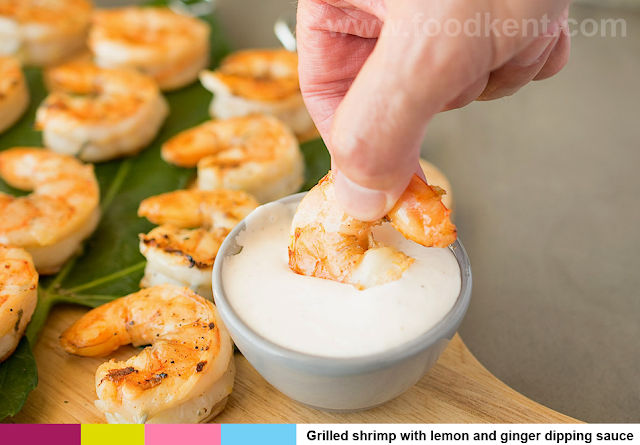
(318, 162)
(111, 265)
(18, 377)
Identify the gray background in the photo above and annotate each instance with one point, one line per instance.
(547, 197)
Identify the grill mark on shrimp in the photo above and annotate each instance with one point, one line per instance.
(117, 375)
(16, 328)
(153, 242)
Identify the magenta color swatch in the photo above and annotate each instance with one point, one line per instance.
(201, 434)
(25, 434)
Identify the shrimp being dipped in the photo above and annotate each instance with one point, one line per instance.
(43, 32)
(18, 297)
(328, 243)
(167, 46)
(257, 154)
(261, 81)
(185, 376)
(194, 223)
(99, 114)
(62, 211)
(14, 94)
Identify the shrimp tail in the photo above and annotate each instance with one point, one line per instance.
(421, 216)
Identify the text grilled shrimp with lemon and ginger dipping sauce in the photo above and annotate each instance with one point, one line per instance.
(261, 81)
(257, 154)
(328, 243)
(169, 47)
(194, 223)
(185, 376)
(18, 296)
(98, 114)
(61, 212)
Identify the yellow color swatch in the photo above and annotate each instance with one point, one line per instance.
(112, 435)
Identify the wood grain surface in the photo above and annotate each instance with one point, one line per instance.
(457, 390)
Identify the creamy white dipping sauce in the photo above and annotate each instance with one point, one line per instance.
(325, 318)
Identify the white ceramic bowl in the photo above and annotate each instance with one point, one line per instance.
(340, 384)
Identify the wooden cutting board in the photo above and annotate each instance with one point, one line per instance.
(457, 390)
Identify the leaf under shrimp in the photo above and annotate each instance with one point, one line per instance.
(318, 162)
(18, 377)
(111, 264)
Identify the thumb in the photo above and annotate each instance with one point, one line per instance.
(375, 141)
(409, 77)
(379, 126)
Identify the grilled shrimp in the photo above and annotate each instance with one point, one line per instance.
(167, 46)
(99, 114)
(14, 94)
(257, 154)
(259, 81)
(18, 296)
(43, 32)
(62, 211)
(185, 376)
(194, 224)
(328, 243)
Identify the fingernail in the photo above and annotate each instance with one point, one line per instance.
(553, 29)
(359, 202)
(533, 52)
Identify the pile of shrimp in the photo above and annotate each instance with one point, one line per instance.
(185, 376)
(61, 212)
(327, 243)
(104, 104)
(257, 154)
(109, 104)
(113, 108)
(251, 144)
(194, 223)
(18, 296)
(14, 94)
(261, 81)
(188, 372)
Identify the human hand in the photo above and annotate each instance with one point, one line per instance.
(373, 73)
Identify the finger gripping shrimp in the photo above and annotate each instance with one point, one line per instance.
(43, 32)
(167, 46)
(14, 95)
(18, 296)
(257, 154)
(328, 243)
(62, 211)
(194, 223)
(98, 114)
(185, 375)
(259, 81)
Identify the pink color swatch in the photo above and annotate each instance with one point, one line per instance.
(202, 434)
